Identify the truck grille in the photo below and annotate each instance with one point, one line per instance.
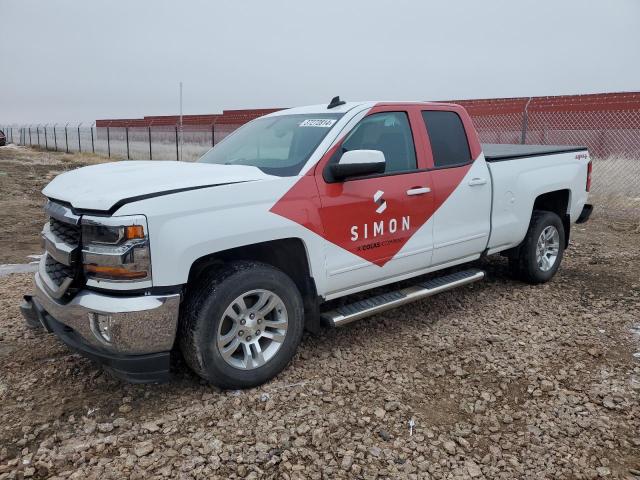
(65, 231)
(57, 271)
(61, 266)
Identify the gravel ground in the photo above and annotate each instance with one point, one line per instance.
(500, 380)
(23, 174)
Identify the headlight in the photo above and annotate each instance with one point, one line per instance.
(116, 249)
(103, 235)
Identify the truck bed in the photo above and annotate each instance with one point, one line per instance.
(497, 152)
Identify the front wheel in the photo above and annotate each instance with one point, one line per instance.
(241, 325)
(538, 258)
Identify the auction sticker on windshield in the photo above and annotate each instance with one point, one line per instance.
(318, 122)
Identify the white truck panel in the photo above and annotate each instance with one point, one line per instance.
(518, 182)
(99, 187)
(461, 225)
(214, 219)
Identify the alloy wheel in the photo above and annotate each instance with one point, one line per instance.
(547, 248)
(252, 329)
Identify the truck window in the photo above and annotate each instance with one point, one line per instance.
(388, 132)
(278, 145)
(448, 138)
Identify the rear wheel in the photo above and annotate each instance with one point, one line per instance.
(242, 324)
(539, 256)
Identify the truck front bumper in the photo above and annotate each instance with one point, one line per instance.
(141, 329)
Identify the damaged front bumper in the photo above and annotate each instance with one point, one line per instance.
(141, 329)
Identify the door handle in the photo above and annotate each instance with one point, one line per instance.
(477, 181)
(418, 191)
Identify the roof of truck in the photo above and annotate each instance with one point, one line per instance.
(323, 107)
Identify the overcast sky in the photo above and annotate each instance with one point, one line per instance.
(63, 60)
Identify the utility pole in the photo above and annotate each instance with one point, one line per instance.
(181, 130)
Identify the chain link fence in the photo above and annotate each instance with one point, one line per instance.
(611, 131)
(120, 143)
(613, 139)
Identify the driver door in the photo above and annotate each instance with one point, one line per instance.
(375, 225)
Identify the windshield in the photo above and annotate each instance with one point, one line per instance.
(279, 145)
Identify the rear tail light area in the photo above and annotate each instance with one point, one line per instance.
(589, 169)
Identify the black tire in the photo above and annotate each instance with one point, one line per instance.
(203, 311)
(523, 262)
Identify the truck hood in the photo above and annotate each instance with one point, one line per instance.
(101, 187)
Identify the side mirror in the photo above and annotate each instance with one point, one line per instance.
(355, 163)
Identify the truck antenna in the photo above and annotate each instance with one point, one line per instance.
(335, 102)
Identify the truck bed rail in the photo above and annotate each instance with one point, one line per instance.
(498, 152)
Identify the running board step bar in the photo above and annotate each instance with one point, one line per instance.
(370, 306)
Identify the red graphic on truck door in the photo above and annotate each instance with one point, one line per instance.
(374, 217)
(348, 216)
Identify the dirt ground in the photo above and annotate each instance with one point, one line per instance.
(24, 172)
(500, 380)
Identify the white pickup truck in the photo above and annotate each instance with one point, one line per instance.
(230, 258)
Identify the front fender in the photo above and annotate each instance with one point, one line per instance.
(190, 225)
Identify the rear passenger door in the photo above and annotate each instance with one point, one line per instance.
(462, 189)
